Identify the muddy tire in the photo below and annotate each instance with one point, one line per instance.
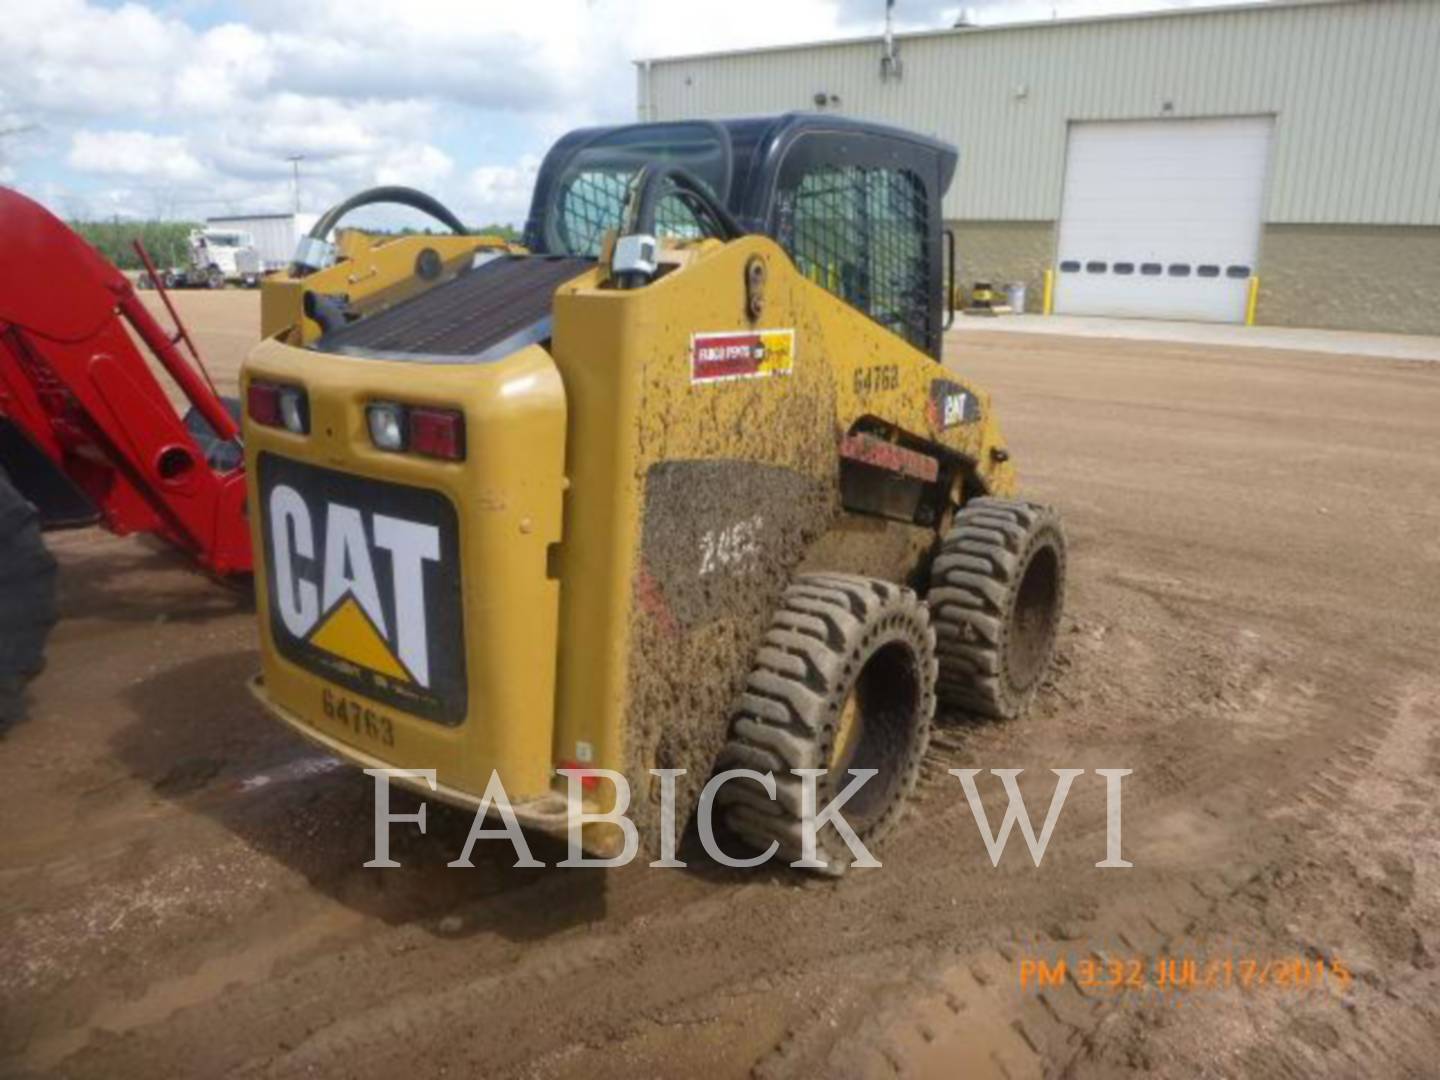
(27, 598)
(997, 588)
(845, 679)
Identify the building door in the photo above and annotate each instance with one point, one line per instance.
(1161, 218)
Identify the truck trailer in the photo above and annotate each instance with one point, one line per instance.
(274, 235)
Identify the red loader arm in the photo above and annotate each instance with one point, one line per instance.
(78, 393)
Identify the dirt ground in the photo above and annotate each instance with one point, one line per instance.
(1252, 628)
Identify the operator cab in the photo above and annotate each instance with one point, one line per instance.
(856, 205)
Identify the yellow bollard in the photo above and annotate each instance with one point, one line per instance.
(1047, 305)
(1252, 300)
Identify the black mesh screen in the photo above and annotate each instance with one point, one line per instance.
(592, 203)
(464, 317)
(863, 233)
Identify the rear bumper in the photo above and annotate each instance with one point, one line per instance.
(546, 814)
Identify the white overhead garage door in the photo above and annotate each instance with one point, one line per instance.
(1161, 218)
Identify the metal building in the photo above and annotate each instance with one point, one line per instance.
(1161, 165)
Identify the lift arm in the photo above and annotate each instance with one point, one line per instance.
(77, 388)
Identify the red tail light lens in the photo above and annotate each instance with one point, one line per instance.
(262, 403)
(277, 405)
(437, 433)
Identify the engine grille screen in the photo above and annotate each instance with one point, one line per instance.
(464, 317)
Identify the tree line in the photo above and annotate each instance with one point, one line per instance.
(167, 241)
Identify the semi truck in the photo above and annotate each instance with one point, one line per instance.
(274, 236)
(215, 256)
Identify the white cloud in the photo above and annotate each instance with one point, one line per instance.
(419, 166)
(209, 116)
(197, 119)
(69, 57)
(222, 66)
(503, 191)
(134, 153)
(320, 128)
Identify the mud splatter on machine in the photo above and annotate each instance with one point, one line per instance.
(679, 483)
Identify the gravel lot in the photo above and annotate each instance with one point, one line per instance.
(1252, 629)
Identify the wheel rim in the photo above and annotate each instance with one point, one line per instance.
(1032, 617)
(847, 734)
(876, 730)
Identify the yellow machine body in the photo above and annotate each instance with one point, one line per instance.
(624, 526)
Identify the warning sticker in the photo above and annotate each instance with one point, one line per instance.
(752, 354)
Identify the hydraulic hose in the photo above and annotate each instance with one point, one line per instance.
(391, 193)
(650, 188)
(652, 184)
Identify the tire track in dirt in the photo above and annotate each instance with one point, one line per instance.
(433, 993)
(1076, 1031)
(1235, 639)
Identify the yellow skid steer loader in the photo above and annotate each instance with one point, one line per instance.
(680, 483)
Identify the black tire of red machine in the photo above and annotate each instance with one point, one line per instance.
(27, 598)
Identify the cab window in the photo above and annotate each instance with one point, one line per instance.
(862, 233)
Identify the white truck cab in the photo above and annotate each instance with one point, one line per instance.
(218, 256)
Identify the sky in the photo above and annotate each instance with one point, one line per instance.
(188, 108)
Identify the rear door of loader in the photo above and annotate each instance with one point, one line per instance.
(407, 612)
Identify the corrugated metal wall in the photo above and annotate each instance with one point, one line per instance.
(1355, 87)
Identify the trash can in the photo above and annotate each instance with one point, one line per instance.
(1015, 292)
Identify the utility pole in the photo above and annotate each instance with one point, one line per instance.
(295, 160)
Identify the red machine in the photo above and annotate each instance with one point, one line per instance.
(86, 431)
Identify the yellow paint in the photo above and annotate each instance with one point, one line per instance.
(847, 734)
(349, 634)
(624, 359)
(779, 346)
(1048, 303)
(1252, 301)
(508, 496)
(550, 659)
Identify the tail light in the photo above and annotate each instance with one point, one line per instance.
(417, 429)
(438, 433)
(277, 405)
